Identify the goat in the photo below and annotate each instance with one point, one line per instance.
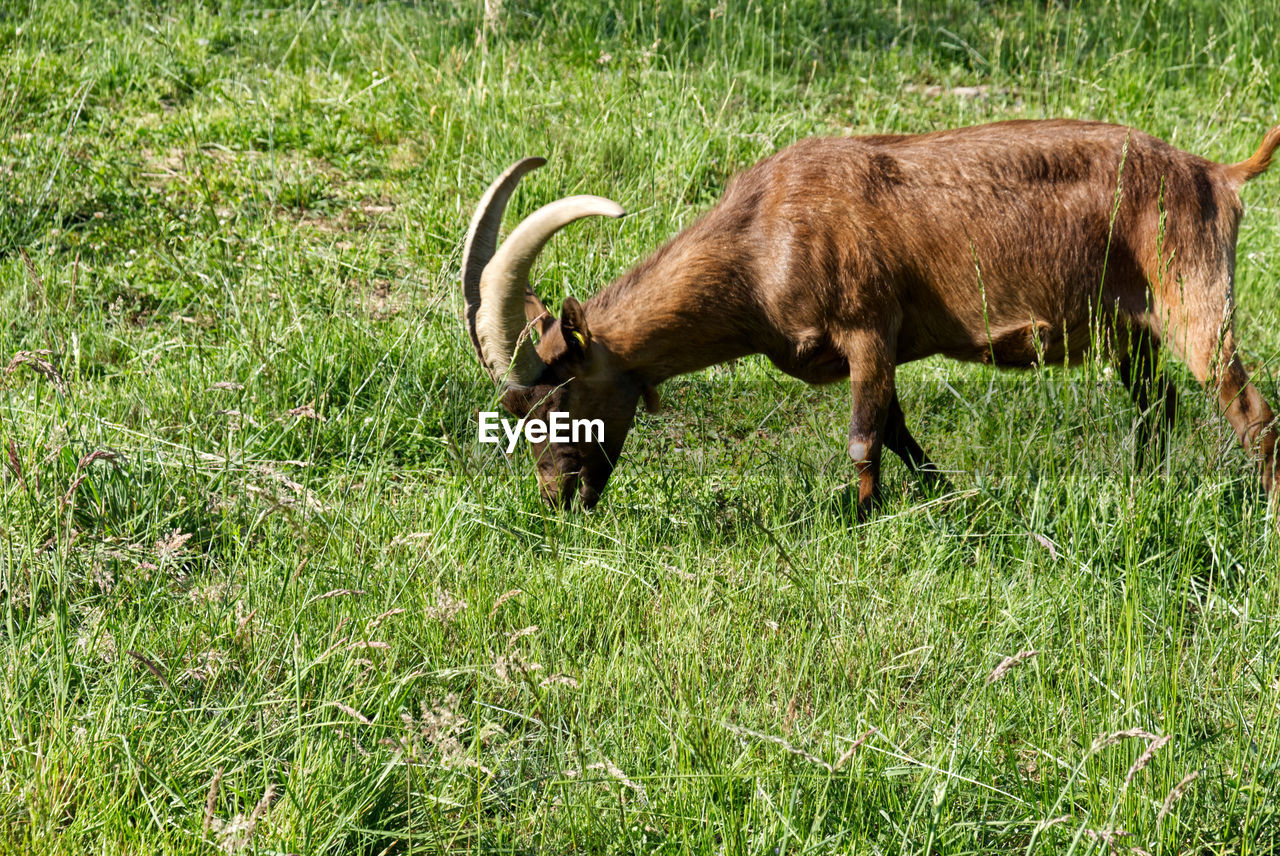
(1016, 244)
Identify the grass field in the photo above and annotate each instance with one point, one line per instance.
(261, 590)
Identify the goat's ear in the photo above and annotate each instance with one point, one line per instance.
(652, 401)
(535, 312)
(573, 326)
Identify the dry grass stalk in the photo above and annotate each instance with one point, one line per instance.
(517, 635)
(492, 11)
(1046, 543)
(336, 593)
(150, 666)
(306, 411)
(32, 273)
(172, 544)
(353, 713)
(514, 666)
(85, 462)
(15, 464)
(403, 540)
(560, 679)
(35, 360)
(281, 500)
(242, 634)
(75, 283)
(447, 607)
(71, 491)
(102, 577)
(1176, 794)
(107, 455)
(207, 666)
(1109, 837)
(336, 646)
(1007, 664)
(371, 644)
(218, 592)
(857, 744)
(268, 797)
(1116, 736)
(440, 727)
(778, 741)
(617, 774)
(1053, 821)
(1145, 758)
(238, 834)
(211, 801)
(503, 598)
(376, 621)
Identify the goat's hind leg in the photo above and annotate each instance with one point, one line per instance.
(1139, 369)
(1206, 340)
(1250, 416)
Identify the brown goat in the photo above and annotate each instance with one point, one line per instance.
(1016, 243)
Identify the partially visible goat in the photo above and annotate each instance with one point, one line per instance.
(1017, 243)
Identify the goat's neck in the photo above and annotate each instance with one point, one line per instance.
(687, 307)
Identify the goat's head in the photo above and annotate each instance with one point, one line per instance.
(566, 371)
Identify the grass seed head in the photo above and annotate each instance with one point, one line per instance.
(446, 608)
(1109, 837)
(512, 667)
(172, 544)
(857, 744)
(36, 362)
(1007, 664)
(1116, 736)
(211, 800)
(353, 713)
(1176, 793)
(376, 621)
(517, 635)
(1145, 758)
(503, 598)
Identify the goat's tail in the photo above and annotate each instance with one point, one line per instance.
(1256, 165)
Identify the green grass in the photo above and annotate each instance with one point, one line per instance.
(233, 231)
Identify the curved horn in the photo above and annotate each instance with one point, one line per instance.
(482, 239)
(500, 317)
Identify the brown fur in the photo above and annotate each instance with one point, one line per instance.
(1011, 243)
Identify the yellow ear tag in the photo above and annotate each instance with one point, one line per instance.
(581, 339)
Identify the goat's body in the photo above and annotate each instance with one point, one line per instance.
(998, 243)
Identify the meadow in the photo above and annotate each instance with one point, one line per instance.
(262, 590)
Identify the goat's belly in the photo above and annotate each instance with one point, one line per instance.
(1018, 345)
(826, 365)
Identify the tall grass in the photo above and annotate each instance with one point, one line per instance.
(261, 590)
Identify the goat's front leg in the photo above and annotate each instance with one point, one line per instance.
(871, 369)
